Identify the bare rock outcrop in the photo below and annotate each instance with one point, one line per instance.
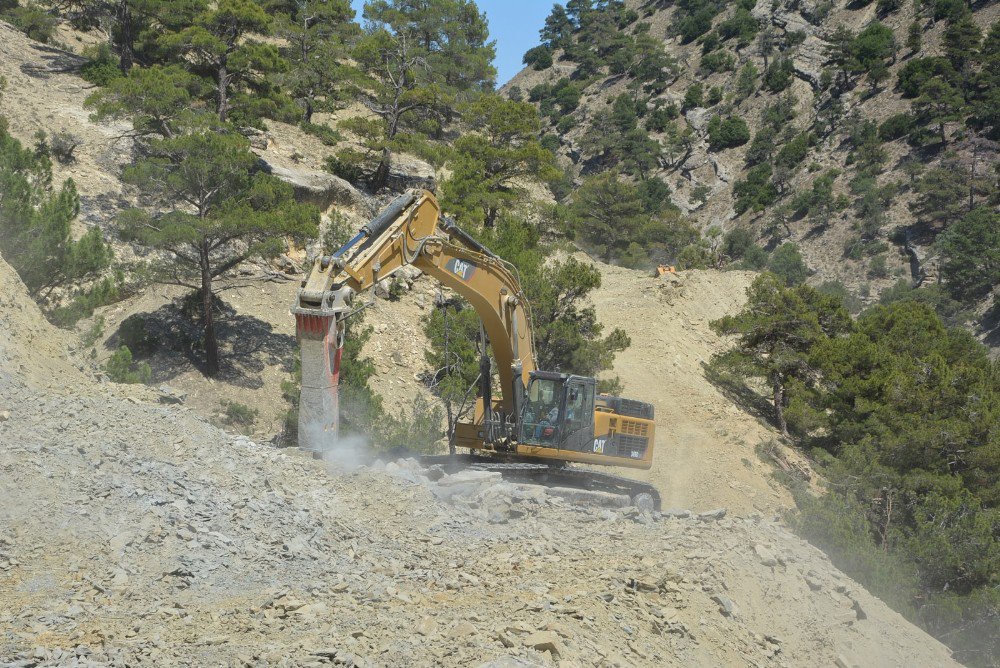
(407, 172)
(320, 188)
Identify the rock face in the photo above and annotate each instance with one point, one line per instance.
(407, 172)
(315, 187)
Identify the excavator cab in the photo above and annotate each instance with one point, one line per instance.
(558, 411)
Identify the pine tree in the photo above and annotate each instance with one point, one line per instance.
(217, 211)
(493, 161)
(938, 104)
(840, 53)
(158, 99)
(941, 196)
(914, 37)
(318, 34)
(558, 29)
(134, 27)
(971, 255)
(393, 90)
(608, 212)
(450, 36)
(36, 223)
(220, 41)
(961, 43)
(777, 330)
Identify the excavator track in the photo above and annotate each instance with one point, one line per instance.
(641, 494)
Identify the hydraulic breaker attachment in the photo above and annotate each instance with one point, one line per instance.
(321, 344)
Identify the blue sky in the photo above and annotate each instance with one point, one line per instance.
(514, 24)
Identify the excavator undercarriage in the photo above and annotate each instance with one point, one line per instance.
(540, 423)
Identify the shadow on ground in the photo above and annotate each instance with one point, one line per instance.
(52, 60)
(170, 340)
(740, 394)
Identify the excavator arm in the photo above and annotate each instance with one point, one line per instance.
(409, 232)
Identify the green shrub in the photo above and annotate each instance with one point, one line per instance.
(418, 430)
(971, 255)
(101, 67)
(741, 25)
(718, 61)
(878, 267)
(694, 256)
(757, 191)
(566, 95)
(329, 136)
(786, 262)
(737, 242)
(762, 147)
(239, 416)
(120, 368)
(32, 20)
(348, 164)
(93, 333)
(655, 195)
(728, 133)
(693, 96)
(700, 193)
(916, 72)
(540, 92)
(696, 23)
(779, 74)
(661, 117)
(840, 291)
(715, 95)
(746, 81)
(895, 127)
(565, 124)
(755, 258)
(106, 291)
(795, 151)
(538, 58)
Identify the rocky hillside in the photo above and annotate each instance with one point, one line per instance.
(798, 121)
(134, 533)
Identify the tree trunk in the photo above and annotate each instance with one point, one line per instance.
(223, 94)
(944, 139)
(307, 113)
(381, 176)
(207, 317)
(126, 37)
(491, 217)
(779, 406)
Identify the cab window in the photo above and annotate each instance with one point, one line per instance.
(579, 400)
(540, 420)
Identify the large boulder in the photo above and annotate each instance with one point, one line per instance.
(406, 172)
(315, 187)
(698, 118)
(809, 60)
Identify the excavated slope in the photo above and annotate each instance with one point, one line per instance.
(705, 446)
(137, 534)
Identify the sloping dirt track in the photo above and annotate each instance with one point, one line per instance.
(705, 446)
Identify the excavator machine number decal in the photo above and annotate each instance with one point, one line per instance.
(461, 268)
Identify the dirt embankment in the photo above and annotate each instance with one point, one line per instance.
(705, 445)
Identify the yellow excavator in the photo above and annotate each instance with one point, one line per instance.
(542, 420)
